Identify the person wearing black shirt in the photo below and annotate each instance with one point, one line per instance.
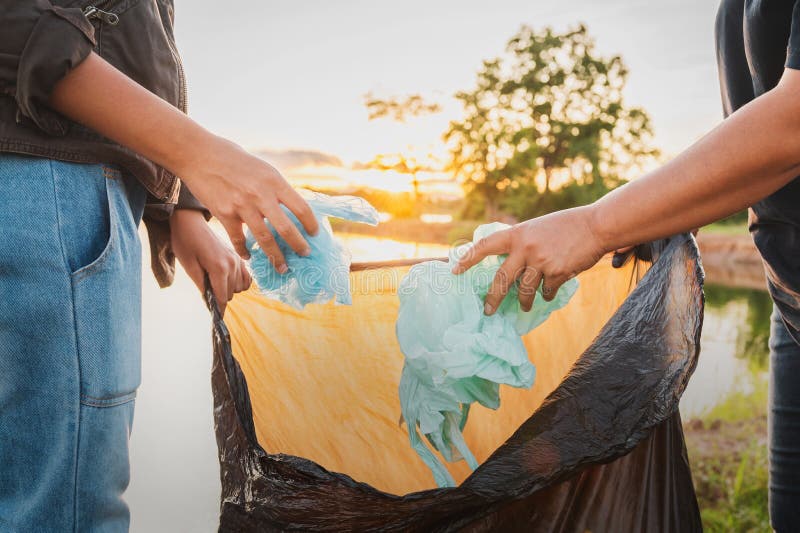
(752, 159)
(754, 42)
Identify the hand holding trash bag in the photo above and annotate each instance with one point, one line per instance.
(603, 452)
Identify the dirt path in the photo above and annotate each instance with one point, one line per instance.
(712, 439)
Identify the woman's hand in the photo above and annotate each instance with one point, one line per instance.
(238, 187)
(199, 250)
(550, 250)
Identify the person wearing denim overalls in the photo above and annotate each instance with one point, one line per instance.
(70, 341)
(86, 153)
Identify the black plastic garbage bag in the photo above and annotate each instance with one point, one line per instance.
(604, 453)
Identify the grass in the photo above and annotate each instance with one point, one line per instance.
(732, 489)
(733, 225)
(728, 454)
(725, 228)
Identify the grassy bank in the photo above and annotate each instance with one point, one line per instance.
(728, 455)
(727, 228)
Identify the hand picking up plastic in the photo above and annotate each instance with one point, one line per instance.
(456, 355)
(325, 273)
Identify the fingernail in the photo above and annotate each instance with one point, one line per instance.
(306, 251)
(283, 269)
(488, 309)
(456, 269)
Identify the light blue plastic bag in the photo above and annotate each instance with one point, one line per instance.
(455, 355)
(325, 273)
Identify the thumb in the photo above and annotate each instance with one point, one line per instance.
(624, 250)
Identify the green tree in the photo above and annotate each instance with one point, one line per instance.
(546, 126)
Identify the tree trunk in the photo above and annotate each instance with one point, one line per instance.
(492, 209)
(547, 172)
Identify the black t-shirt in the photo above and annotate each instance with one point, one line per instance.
(756, 39)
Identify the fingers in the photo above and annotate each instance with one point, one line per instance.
(263, 235)
(550, 286)
(230, 284)
(266, 241)
(528, 283)
(233, 227)
(239, 278)
(286, 229)
(228, 277)
(494, 244)
(301, 210)
(220, 286)
(244, 280)
(506, 275)
(619, 259)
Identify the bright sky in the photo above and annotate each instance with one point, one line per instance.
(292, 75)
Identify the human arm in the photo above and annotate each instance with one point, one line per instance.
(747, 157)
(234, 185)
(47, 64)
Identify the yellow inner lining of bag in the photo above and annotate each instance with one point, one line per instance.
(323, 381)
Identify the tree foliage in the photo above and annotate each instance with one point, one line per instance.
(546, 126)
(399, 108)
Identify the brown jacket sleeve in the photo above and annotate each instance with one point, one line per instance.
(156, 218)
(186, 200)
(40, 44)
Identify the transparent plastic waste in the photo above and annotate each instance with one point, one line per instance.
(325, 273)
(456, 355)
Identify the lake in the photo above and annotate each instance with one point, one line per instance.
(175, 477)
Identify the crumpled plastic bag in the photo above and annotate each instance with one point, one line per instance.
(323, 274)
(455, 355)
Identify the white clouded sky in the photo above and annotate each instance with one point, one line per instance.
(292, 74)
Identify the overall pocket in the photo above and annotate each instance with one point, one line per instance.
(84, 215)
(103, 253)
